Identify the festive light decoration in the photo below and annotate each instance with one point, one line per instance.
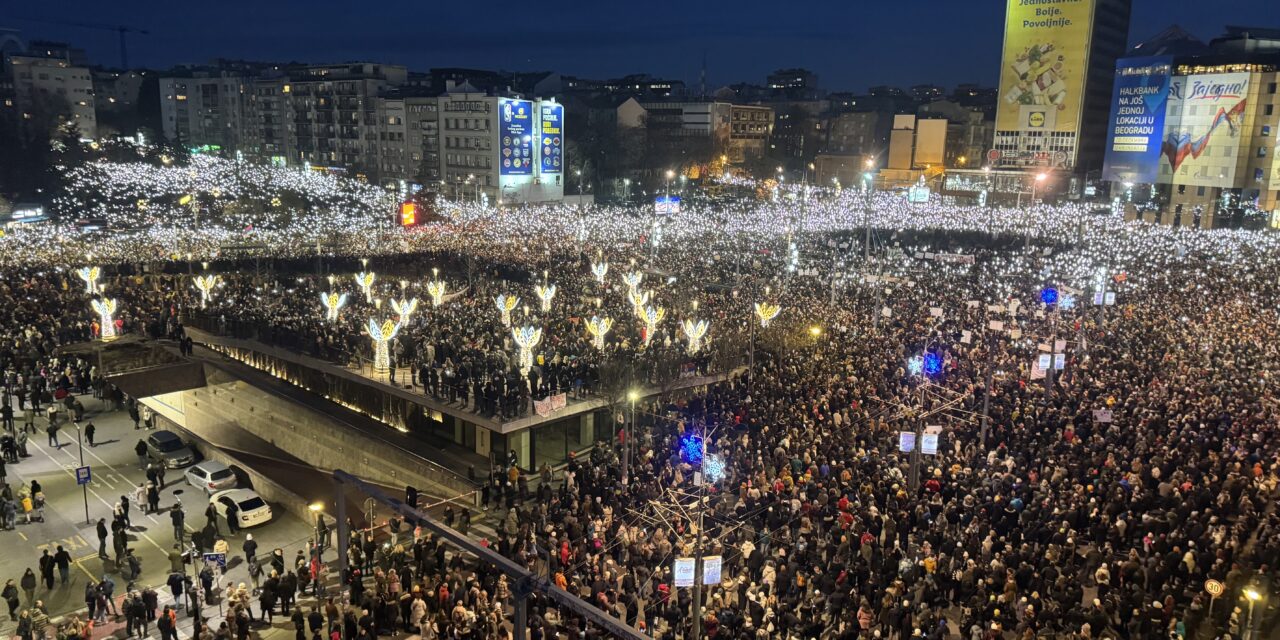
(506, 304)
(206, 283)
(364, 280)
(598, 327)
(1049, 296)
(333, 303)
(694, 330)
(713, 467)
(692, 449)
(767, 312)
(526, 338)
(545, 294)
(929, 364)
(105, 307)
(90, 277)
(632, 280)
(381, 335)
(436, 289)
(1067, 301)
(638, 300)
(404, 309)
(652, 316)
(600, 269)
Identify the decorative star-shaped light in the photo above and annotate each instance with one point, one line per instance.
(652, 316)
(713, 467)
(767, 312)
(333, 303)
(598, 327)
(545, 294)
(506, 304)
(526, 338)
(436, 289)
(404, 308)
(600, 269)
(1067, 301)
(694, 330)
(105, 307)
(206, 283)
(381, 335)
(90, 277)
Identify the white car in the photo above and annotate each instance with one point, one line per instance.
(211, 476)
(253, 509)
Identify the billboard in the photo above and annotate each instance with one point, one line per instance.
(1202, 129)
(551, 137)
(1135, 130)
(515, 137)
(1046, 50)
(666, 205)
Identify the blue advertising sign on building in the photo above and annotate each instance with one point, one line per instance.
(551, 135)
(515, 137)
(1136, 128)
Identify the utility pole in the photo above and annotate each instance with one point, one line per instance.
(84, 488)
(697, 546)
(986, 390)
(919, 444)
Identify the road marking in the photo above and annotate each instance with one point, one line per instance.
(109, 506)
(24, 536)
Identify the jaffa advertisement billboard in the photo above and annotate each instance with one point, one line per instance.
(1135, 130)
(1203, 126)
(1046, 51)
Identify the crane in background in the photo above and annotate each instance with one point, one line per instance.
(119, 29)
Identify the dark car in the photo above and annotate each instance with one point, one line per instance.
(168, 449)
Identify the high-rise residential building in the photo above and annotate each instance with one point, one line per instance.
(46, 79)
(739, 132)
(1055, 82)
(205, 110)
(1192, 139)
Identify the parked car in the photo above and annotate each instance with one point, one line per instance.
(168, 449)
(211, 476)
(253, 509)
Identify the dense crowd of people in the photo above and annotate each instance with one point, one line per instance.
(1088, 501)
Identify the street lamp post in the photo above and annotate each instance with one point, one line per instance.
(628, 435)
(869, 181)
(1253, 596)
(1026, 242)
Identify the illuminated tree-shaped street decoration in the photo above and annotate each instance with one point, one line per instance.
(545, 294)
(694, 330)
(364, 280)
(205, 284)
(598, 327)
(506, 304)
(638, 300)
(333, 303)
(381, 336)
(600, 269)
(526, 338)
(436, 288)
(767, 312)
(404, 308)
(105, 307)
(652, 317)
(90, 277)
(632, 280)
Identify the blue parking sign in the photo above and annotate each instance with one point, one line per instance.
(83, 475)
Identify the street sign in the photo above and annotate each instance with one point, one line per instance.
(711, 566)
(684, 572)
(929, 444)
(1213, 587)
(83, 475)
(219, 559)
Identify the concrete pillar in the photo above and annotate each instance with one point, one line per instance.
(483, 440)
(459, 437)
(519, 441)
(587, 429)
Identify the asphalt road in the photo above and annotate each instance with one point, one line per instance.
(115, 472)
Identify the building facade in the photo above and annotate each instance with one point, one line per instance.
(53, 83)
(1055, 81)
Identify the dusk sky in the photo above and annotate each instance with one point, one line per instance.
(850, 44)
